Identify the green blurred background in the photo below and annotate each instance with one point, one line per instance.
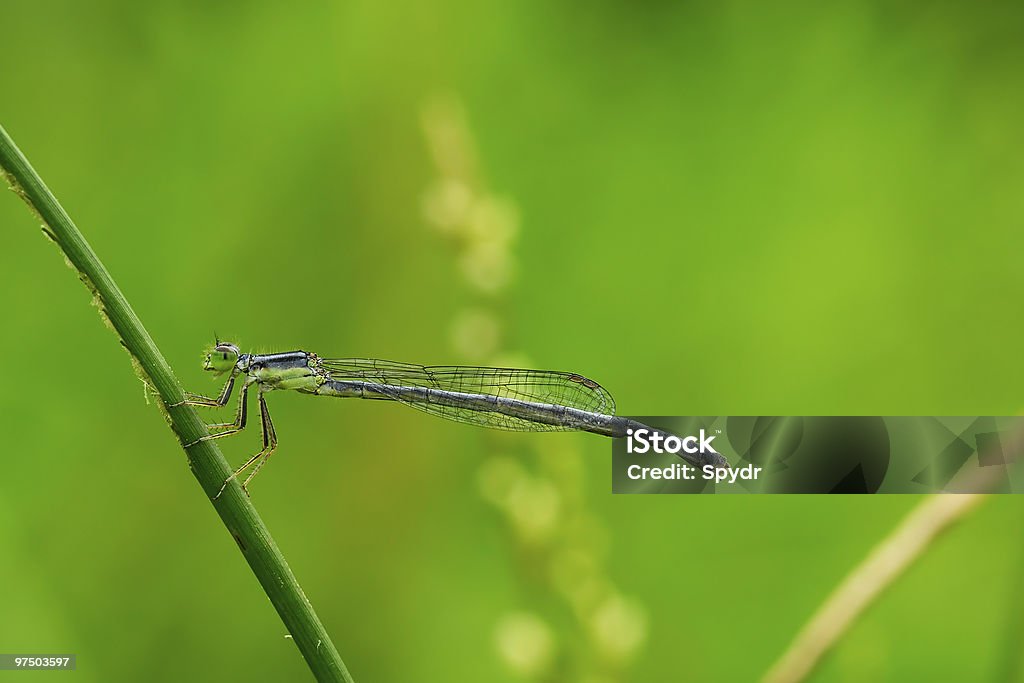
(719, 208)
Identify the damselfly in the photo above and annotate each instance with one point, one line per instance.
(500, 398)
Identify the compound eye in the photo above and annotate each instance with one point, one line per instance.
(222, 357)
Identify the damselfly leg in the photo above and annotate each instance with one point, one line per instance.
(229, 428)
(269, 444)
(200, 400)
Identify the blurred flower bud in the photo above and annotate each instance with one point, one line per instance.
(618, 628)
(525, 643)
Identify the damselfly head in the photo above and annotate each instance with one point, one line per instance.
(221, 358)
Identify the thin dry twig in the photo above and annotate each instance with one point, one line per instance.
(883, 565)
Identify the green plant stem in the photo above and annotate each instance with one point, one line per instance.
(205, 459)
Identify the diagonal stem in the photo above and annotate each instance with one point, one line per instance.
(886, 562)
(204, 458)
(861, 588)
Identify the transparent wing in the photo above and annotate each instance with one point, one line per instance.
(531, 386)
